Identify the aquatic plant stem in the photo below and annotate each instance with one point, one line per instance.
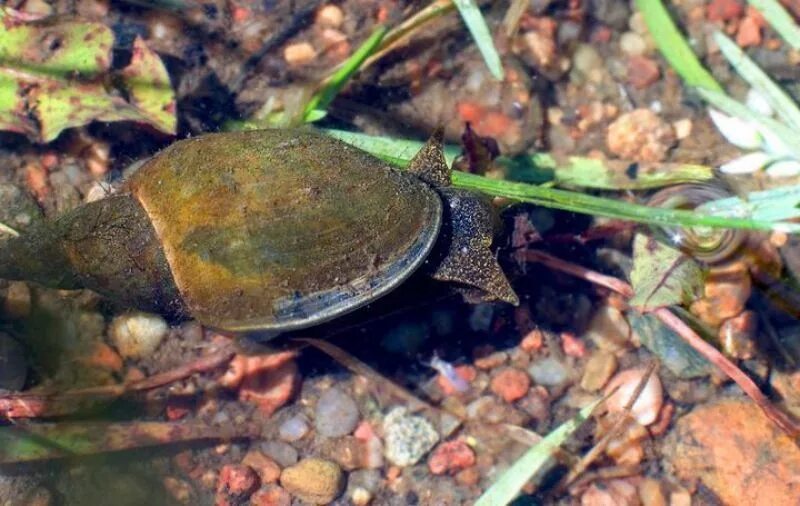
(671, 320)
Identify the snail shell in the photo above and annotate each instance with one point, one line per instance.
(709, 245)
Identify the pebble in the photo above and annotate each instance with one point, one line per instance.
(314, 480)
(236, 482)
(533, 341)
(572, 346)
(737, 335)
(270, 388)
(266, 468)
(632, 44)
(13, 365)
(626, 449)
(467, 375)
(640, 135)
(180, 490)
(136, 334)
(299, 54)
(271, 495)
(407, 437)
(330, 16)
(451, 457)
(294, 429)
(510, 384)
(648, 404)
(651, 493)
(724, 10)
(749, 32)
(549, 372)
(336, 414)
(683, 128)
(599, 369)
(611, 493)
(586, 60)
(282, 453)
(737, 452)
(609, 330)
(17, 303)
(348, 451)
(491, 361)
(725, 296)
(643, 72)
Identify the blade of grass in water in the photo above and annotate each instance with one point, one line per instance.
(673, 45)
(400, 152)
(780, 20)
(783, 105)
(331, 87)
(508, 486)
(476, 25)
(729, 106)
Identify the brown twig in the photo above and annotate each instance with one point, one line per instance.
(30, 405)
(669, 319)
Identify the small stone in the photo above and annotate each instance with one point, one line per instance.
(651, 493)
(609, 329)
(271, 495)
(360, 496)
(136, 334)
(642, 72)
(533, 341)
(330, 16)
(599, 369)
(725, 296)
(294, 429)
(632, 44)
(314, 480)
(178, 489)
(469, 476)
(724, 10)
(683, 128)
(270, 388)
(282, 453)
(336, 414)
(510, 384)
(348, 451)
(549, 372)
(586, 59)
(572, 346)
(266, 468)
(299, 54)
(465, 372)
(451, 457)
(749, 32)
(491, 361)
(640, 135)
(407, 437)
(626, 449)
(737, 452)
(737, 335)
(610, 493)
(648, 404)
(17, 303)
(236, 482)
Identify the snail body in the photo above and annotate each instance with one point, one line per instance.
(265, 230)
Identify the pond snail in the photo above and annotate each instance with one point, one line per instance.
(709, 245)
(269, 230)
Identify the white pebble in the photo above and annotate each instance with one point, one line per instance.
(632, 44)
(137, 334)
(647, 406)
(294, 428)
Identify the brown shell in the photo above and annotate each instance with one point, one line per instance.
(282, 229)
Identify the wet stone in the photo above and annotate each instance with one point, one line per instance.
(137, 334)
(282, 453)
(294, 428)
(598, 371)
(336, 414)
(407, 437)
(314, 480)
(549, 372)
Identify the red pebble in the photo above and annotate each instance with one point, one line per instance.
(642, 72)
(271, 495)
(533, 341)
(236, 482)
(510, 384)
(724, 10)
(749, 32)
(572, 345)
(451, 457)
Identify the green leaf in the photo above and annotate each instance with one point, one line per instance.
(12, 107)
(322, 99)
(149, 88)
(662, 276)
(476, 25)
(673, 46)
(780, 101)
(510, 483)
(780, 20)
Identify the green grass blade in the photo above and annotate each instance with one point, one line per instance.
(331, 87)
(780, 101)
(599, 206)
(729, 106)
(777, 204)
(508, 486)
(476, 25)
(780, 20)
(674, 47)
(400, 152)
